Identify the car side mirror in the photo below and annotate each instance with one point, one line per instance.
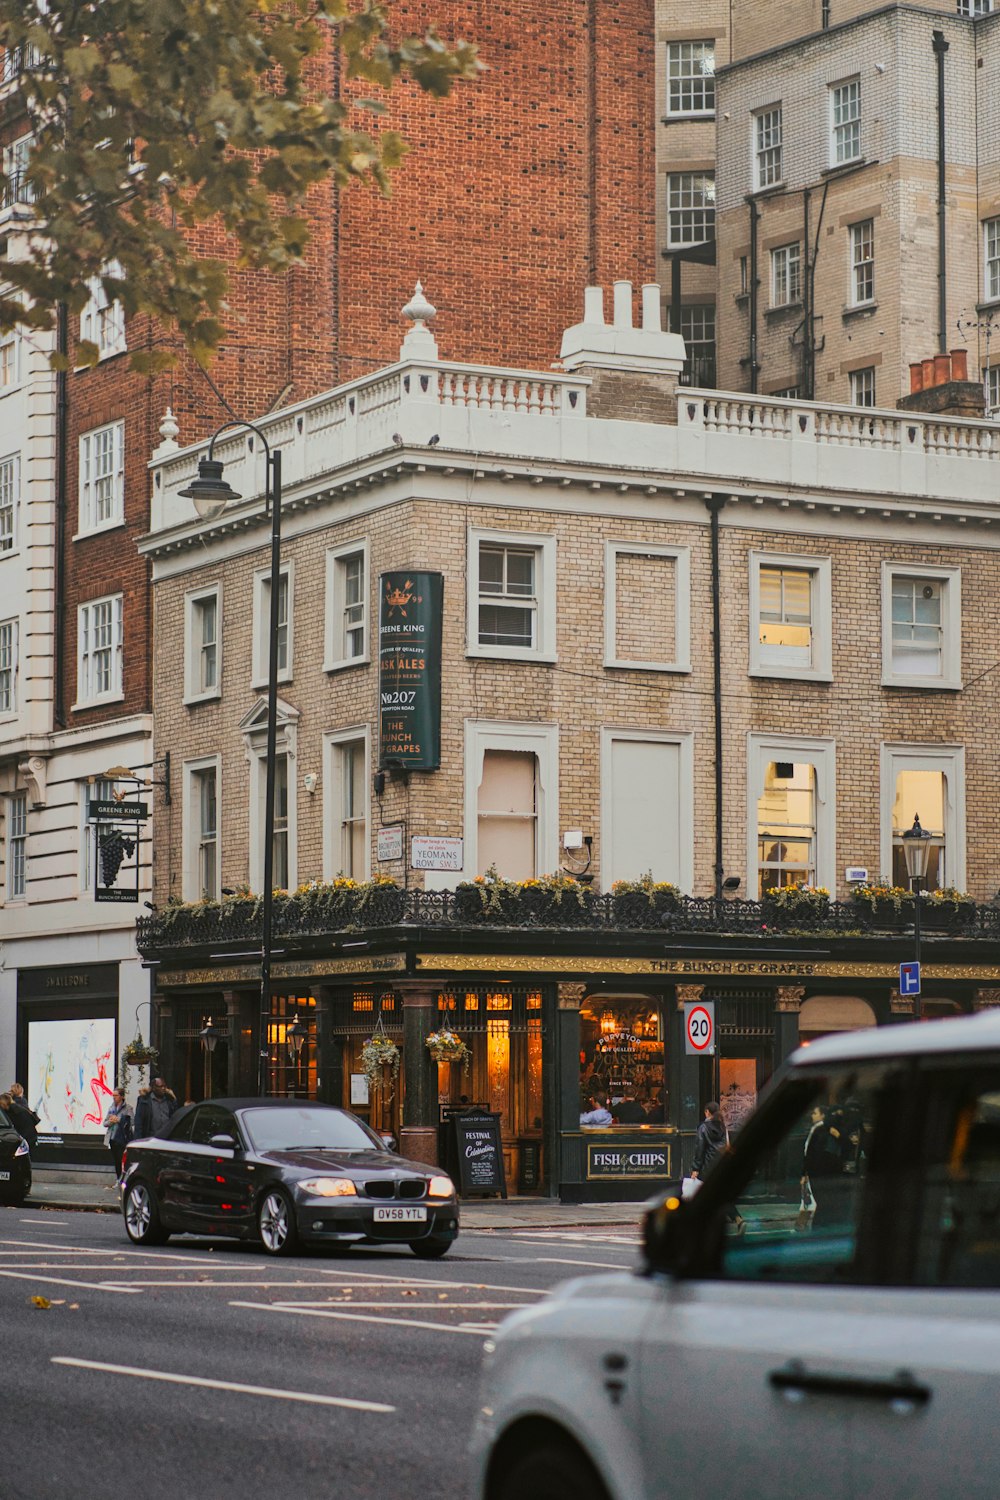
(223, 1142)
(662, 1234)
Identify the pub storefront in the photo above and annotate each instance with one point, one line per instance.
(542, 1033)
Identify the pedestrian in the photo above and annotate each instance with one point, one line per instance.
(831, 1151)
(154, 1108)
(711, 1144)
(598, 1114)
(22, 1116)
(628, 1110)
(118, 1121)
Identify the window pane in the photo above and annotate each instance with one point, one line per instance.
(786, 826)
(919, 794)
(785, 625)
(804, 1202)
(501, 625)
(491, 570)
(958, 1237)
(917, 630)
(507, 813)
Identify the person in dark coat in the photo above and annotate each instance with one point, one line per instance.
(155, 1107)
(118, 1122)
(712, 1143)
(22, 1116)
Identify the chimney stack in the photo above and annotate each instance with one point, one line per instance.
(634, 371)
(941, 386)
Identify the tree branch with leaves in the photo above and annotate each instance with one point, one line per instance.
(152, 118)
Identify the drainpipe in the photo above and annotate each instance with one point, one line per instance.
(58, 553)
(940, 48)
(807, 324)
(715, 504)
(754, 220)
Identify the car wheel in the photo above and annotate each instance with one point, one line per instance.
(142, 1217)
(553, 1471)
(432, 1248)
(276, 1223)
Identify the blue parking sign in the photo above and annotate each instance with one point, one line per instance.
(909, 978)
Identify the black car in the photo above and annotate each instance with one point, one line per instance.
(282, 1172)
(15, 1163)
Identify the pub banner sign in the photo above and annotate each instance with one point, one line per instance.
(608, 1159)
(409, 670)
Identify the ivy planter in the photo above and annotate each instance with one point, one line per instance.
(947, 916)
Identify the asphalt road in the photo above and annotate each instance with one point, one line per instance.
(209, 1371)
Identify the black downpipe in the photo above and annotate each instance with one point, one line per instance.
(807, 322)
(940, 48)
(58, 559)
(715, 504)
(754, 221)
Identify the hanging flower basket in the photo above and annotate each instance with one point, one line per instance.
(445, 1046)
(138, 1054)
(380, 1063)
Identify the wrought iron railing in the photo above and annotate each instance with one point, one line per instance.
(239, 921)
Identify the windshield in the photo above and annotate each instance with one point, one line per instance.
(308, 1127)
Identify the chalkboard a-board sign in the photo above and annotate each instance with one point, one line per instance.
(479, 1154)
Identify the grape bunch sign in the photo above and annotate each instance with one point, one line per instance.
(699, 1028)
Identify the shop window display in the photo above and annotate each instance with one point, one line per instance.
(622, 1057)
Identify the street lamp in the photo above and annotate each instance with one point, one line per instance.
(295, 1036)
(211, 1035)
(916, 852)
(211, 494)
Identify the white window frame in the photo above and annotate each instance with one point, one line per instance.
(845, 100)
(258, 772)
(821, 621)
(786, 275)
(10, 486)
(821, 754)
(10, 340)
(102, 320)
(684, 213)
(949, 759)
(261, 623)
(93, 789)
(16, 859)
(88, 520)
(682, 606)
(542, 741)
(862, 384)
(951, 621)
(336, 606)
(544, 545)
(768, 148)
(191, 839)
(16, 158)
(685, 827)
(85, 697)
(333, 798)
(991, 259)
(193, 691)
(683, 58)
(862, 267)
(8, 667)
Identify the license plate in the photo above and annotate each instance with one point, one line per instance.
(386, 1215)
(4, 1176)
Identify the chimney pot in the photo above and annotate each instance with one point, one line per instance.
(960, 364)
(928, 369)
(623, 304)
(593, 304)
(651, 307)
(916, 378)
(942, 369)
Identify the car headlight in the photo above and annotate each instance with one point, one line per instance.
(329, 1187)
(22, 1149)
(440, 1187)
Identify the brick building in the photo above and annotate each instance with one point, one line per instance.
(852, 221)
(513, 189)
(596, 719)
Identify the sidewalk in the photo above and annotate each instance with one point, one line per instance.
(96, 1193)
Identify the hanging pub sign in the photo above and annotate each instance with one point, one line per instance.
(116, 841)
(409, 670)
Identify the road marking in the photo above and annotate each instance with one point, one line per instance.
(346, 1317)
(428, 1307)
(49, 1223)
(224, 1385)
(473, 1286)
(41, 1245)
(88, 1286)
(561, 1260)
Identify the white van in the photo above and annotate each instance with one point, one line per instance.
(842, 1344)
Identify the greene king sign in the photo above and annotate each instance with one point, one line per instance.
(409, 670)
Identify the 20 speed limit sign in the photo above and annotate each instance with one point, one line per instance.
(699, 1028)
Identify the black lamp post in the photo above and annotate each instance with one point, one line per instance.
(211, 494)
(916, 852)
